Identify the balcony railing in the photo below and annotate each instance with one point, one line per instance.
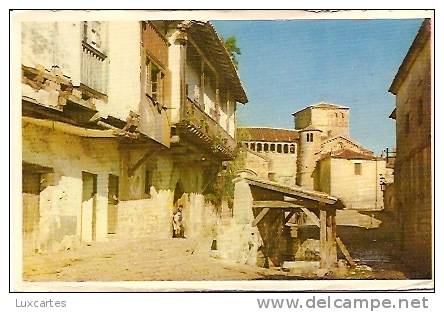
(93, 66)
(196, 123)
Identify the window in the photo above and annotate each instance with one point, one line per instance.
(273, 147)
(148, 181)
(253, 146)
(358, 168)
(266, 147)
(279, 148)
(309, 137)
(154, 82)
(286, 148)
(407, 123)
(259, 147)
(92, 34)
(420, 112)
(292, 149)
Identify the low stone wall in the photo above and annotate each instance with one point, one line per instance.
(146, 217)
(237, 240)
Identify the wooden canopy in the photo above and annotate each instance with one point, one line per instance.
(273, 199)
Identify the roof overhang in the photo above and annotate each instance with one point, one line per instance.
(294, 192)
(204, 34)
(420, 40)
(393, 114)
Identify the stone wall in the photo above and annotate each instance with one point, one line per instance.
(60, 205)
(413, 166)
(356, 191)
(237, 240)
(146, 217)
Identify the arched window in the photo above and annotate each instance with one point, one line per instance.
(253, 146)
(259, 147)
(279, 148)
(246, 144)
(292, 149)
(286, 148)
(272, 147)
(265, 147)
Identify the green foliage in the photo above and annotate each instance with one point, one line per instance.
(223, 186)
(232, 48)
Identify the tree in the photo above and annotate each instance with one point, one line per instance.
(230, 45)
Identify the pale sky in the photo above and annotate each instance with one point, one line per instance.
(287, 65)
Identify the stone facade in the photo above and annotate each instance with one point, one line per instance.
(355, 181)
(110, 147)
(413, 165)
(331, 119)
(319, 155)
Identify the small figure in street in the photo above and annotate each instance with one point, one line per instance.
(177, 223)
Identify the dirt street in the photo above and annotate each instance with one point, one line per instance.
(135, 260)
(146, 259)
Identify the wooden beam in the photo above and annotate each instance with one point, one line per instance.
(306, 203)
(332, 254)
(345, 252)
(339, 242)
(323, 238)
(260, 216)
(203, 56)
(288, 217)
(278, 204)
(140, 162)
(293, 192)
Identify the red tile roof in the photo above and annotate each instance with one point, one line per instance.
(268, 134)
(349, 154)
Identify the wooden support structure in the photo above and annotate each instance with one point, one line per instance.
(293, 198)
(140, 162)
(288, 217)
(345, 252)
(260, 216)
(327, 238)
(278, 204)
(339, 242)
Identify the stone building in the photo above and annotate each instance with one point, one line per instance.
(413, 165)
(112, 140)
(279, 149)
(320, 155)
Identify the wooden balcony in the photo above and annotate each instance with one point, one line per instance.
(155, 43)
(202, 129)
(93, 70)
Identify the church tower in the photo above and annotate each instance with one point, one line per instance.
(309, 146)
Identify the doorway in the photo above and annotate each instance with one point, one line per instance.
(113, 200)
(31, 211)
(88, 216)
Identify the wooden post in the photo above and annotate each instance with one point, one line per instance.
(202, 85)
(182, 72)
(217, 104)
(331, 238)
(323, 236)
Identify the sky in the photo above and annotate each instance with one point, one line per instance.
(287, 65)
